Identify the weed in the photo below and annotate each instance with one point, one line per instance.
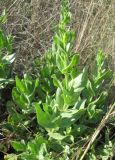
(63, 106)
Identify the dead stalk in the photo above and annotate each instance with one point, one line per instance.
(97, 131)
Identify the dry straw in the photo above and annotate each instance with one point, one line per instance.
(32, 22)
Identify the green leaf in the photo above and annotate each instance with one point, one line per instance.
(4, 82)
(89, 92)
(11, 157)
(74, 61)
(46, 120)
(101, 99)
(71, 97)
(8, 59)
(61, 61)
(79, 130)
(56, 82)
(106, 151)
(20, 99)
(24, 92)
(36, 149)
(56, 136)
(103, 77)
(20, 85)
(42, 151)
(79, 81)
(70, 117)
(3, 17)
(19, 146)
(28, 156)
(59, 99)
(80, 104)
(55, 145)
(91, 110)
(91, 156)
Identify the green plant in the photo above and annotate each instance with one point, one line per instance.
(21, 107)
(6, 74)
(8, 59)
(24, 93)
(70, 102)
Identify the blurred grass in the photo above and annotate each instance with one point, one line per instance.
(32, 23)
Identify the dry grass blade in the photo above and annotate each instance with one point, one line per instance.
(84, 25)
(97, 131)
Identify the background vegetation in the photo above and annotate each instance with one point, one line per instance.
(32, 23)
(57, 80)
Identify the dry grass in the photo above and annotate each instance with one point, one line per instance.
(32, 22)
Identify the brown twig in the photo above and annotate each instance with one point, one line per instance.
(97, 131)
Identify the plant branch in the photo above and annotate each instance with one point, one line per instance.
(97, 131)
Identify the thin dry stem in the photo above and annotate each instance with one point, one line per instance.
(97, 131)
